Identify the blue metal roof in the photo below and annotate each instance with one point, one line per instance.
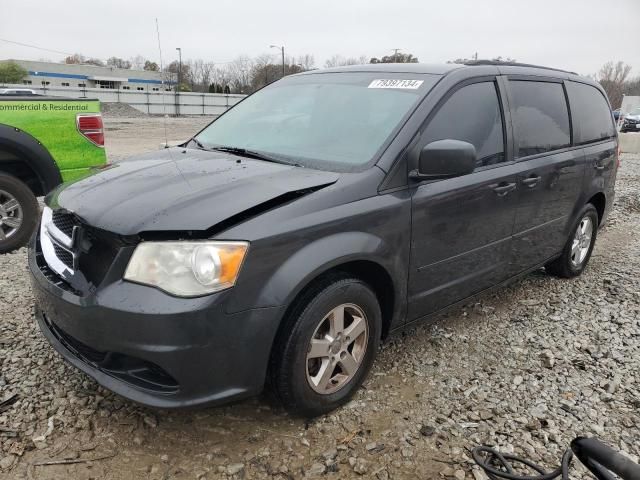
(86, 77)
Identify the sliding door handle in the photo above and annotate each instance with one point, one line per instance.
(530, 181)
(503, 188)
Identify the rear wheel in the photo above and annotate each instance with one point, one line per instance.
(332, 341)
(579, 246)
(18, 213)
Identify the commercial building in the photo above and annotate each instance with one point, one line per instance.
(45, 75)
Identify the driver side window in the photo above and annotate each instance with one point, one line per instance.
(472, 114)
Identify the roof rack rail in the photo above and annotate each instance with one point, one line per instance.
(514, 64)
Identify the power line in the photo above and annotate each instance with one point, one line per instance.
(35, 46)
(69, 53)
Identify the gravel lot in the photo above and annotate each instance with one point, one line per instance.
(125, 136)
(526, 369)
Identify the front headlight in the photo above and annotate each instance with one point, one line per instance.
(187, 269)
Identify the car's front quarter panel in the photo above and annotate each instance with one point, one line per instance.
(346, 222)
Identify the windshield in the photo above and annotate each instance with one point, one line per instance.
(333, 121)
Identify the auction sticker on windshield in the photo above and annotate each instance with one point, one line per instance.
(397, 83)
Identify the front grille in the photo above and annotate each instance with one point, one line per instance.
(87, 251)
(63, 255)
(64, 222)
(94, 263)
(52, 276)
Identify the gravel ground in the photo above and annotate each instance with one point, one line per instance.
(131, 135)
(525, 369)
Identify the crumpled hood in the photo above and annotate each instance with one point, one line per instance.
(633, 117)
(180, 189)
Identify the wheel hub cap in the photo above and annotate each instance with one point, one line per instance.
(337, 348)
(581, 241)
(10, 215)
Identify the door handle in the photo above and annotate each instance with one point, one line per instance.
(599, 167)
(503, 188)
(530, 181)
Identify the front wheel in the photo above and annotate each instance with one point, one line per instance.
(329, 344)
(18, 213)
(577, 251)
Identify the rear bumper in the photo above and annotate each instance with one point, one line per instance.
(155, 349)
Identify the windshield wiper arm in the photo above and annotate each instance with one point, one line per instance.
(198, 143)
(243, 152)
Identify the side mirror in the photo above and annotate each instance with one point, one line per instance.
(445, 159)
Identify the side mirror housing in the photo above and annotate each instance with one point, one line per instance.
(445, 159)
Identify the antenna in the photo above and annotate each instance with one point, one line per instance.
(164, 108)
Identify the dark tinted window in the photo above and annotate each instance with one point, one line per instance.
(471, 114)
(540, 117)
(590, 112)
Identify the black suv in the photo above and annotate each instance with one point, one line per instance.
(330, 209)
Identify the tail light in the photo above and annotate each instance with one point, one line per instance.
(90, 125)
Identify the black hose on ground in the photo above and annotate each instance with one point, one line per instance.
(595, 455)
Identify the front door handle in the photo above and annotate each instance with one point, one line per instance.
(531, 181)
(503, 188)
(599, 167)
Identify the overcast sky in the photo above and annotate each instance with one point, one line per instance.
(578, 35)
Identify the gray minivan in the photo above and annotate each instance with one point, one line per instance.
(330, 209)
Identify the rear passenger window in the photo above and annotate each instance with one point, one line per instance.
(472, 114)
(540, 117)
(591, 114)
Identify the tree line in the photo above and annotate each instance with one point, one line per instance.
(242, 75)
(247, 74)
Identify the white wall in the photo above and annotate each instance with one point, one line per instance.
(155, 103)
(629, 103)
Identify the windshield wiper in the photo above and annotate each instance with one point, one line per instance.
(198, 143)
(243, 152)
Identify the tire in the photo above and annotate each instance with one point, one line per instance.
(294, 375)
(572, 262)
(19, 213)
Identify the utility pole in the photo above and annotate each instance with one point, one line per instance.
(179, 66)
(395, 54)
(281, 48)
(179, 81)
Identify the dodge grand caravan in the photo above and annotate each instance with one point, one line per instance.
(280, 244)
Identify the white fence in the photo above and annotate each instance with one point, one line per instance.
(629, 102)
(147, 101)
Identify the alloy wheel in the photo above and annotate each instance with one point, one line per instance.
(337, 349)
(581, 241)
(11, 215)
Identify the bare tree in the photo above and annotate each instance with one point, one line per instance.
(138, 62)
(613, 77)
(239, 72)
(633, 87)
(340, 61)
(117, 62)
(78, 58)
(306, 62)
(74, 59)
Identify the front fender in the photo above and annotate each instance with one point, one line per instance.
(318, 257)
(33, 153)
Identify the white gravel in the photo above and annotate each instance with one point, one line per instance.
(526, 369)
